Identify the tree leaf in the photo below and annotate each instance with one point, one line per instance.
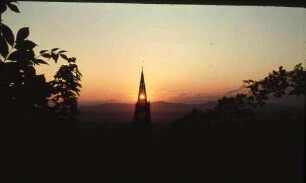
(64, 57)
(26, 44)
(2, 8)
(46, 55)
(3, 47)
(62, 51)
(8, 34)
(43, 51)
(72, 59)
(54, 57)
(23, 33)
(13, 56)
(13, 7)
(54, 49)
(280, 68)
(40, 61)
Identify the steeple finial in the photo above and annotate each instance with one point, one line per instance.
(142, 66)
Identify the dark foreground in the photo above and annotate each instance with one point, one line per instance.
(261, 151)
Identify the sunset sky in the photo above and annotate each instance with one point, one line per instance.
(190, 54)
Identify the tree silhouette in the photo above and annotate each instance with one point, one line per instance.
(235, 108)
(65, 88)
(278, 83)
(23, 92)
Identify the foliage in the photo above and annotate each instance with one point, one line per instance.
(4, 4)
(23, 92)
(66, 86)
(278, 83)
(238, 107)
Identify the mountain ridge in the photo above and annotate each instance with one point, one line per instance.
(161, 111)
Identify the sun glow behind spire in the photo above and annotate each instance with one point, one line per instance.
(192, 53)
(142, 96)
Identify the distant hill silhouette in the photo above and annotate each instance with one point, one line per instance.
(271, 109)
(197, 122)
(165, 113)
(122, 112)
(163, 110)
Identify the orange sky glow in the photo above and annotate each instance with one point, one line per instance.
(190, 54)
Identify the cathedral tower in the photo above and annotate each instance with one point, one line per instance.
(142, 115)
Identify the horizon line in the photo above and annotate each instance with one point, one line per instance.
(160, 101)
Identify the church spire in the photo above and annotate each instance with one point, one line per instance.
(142, 115)
(142, 94)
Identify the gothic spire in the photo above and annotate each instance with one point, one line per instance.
(142, 94)
(142, 117)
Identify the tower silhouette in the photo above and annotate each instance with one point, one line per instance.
(142, 116)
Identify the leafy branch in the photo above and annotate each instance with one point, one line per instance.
(23, 91)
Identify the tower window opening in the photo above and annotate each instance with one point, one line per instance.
(142, 96)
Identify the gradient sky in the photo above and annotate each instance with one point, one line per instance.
(190, 53)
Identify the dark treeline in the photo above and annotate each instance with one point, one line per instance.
(40, 141)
